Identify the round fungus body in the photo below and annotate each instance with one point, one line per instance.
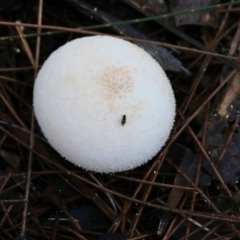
(104, 104)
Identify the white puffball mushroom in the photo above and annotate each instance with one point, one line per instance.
(104, 104)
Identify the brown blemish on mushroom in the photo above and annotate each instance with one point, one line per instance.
(116, 82)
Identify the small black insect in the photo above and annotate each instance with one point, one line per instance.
(124, 119)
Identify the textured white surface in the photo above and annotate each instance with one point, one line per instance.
(82, 92)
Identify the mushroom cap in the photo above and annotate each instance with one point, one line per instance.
(104, 104)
